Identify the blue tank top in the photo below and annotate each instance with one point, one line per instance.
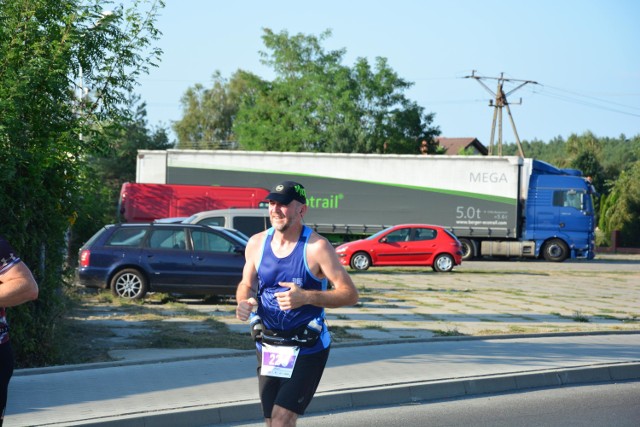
(292, 268)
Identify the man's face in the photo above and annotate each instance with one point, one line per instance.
(284, 216)
(423, 147)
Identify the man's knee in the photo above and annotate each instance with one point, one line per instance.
(282, 417)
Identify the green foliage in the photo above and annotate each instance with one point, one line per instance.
(117, 164)
(618, 153)
(469, 151)
(552, 152)
(208, 114)
(587, 162)
(111, 168)
(621, 208)
(315, 103)
(49, 51)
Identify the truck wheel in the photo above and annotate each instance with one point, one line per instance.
(555, 250)
(129, 283)
(469, 249)
(443, 263)
(360, 261)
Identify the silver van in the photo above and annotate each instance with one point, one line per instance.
(247, 221)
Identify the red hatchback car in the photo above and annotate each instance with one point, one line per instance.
(404, 245)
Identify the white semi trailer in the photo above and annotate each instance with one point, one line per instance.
(497, 206)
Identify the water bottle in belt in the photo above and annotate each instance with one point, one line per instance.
(255, 324)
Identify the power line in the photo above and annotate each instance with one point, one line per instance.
(501, 102)
(586, 100)
(591, 97)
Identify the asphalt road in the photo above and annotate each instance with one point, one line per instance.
(613, 405)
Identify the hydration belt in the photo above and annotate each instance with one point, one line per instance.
(303, 336)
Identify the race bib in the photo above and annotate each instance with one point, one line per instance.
(278, 361)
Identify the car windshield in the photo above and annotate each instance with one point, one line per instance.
(236, 235)
(375, 236)
(190, 219)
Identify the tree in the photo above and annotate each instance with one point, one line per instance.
(618, 153)
(315, 103)
(117, 164)
(66, 68)
(553, 151)
(585, 142)
(111, 168)
(208, 114)
(587, 162)
(621, 209)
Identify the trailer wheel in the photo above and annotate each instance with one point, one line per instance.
(129, 283)
(555, 250)
(443, 263)
(469, 249)
(360, 261)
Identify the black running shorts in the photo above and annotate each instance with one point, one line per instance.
(293, 393)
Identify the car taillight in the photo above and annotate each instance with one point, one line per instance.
(84, 258)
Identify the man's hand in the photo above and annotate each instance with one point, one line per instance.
(244, 308)
(293, 298)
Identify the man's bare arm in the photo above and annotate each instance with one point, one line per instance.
(248, 286)
(344, 291)
(17, 286)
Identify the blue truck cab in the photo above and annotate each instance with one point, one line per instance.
(559, 213)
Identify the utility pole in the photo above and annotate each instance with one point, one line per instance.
(498, 104)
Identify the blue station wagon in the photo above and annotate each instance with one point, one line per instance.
(133, 259)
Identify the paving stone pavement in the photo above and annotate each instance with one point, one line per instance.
(479, 298)
(492, 297)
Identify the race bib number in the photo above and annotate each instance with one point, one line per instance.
(278, 361)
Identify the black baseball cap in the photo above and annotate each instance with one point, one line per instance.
(287, 191)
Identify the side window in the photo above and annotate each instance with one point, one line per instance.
(424, 234)
(573, 199)
(214, 220)
(168, 239)
(127, 237)
(398, 235)
(558, 198)
(570, 198)
(211, 242)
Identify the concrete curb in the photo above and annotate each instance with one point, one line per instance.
(217, 352)
(390, 394)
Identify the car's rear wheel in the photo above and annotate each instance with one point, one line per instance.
(443, 263)
(360, 261)
(129, 283)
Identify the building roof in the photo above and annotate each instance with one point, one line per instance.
(453, 146)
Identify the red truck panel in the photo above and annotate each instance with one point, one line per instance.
(147, 202)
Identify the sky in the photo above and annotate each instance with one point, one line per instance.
(582, 57)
